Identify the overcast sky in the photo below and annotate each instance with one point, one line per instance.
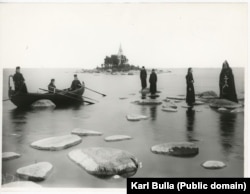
(153, 35)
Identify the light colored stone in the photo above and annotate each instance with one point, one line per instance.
(10, 155)
(176, 98)
(222, 109)
(197, 102)
(223, 103)
(35, 172)
(85, 132)
(185, 149)
(105, 161)
(144, 91)
(213, 164)
(57, 143)
(136, 117)
(168, 109)
(43, 104)
(21, 184)
(117, 138)
(237, 110)
(208, 95)
(186, 106)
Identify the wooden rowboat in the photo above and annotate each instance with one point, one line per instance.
(59, 98)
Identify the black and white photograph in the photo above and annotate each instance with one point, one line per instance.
(95, 93)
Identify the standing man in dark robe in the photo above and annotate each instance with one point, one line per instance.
(190, 97)
(19, 82)
(227, 86)
(152, 81)
(75, 83)
(51, 86)
(143, 76)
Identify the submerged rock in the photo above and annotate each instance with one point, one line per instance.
(148, 102)
(105, 161)
(117, 138)
(208, 95)
(21, 184)
(35, 172)
(184, 149)
(223, 103)
(57, 143)
(123, 98)
(43, 104)
(213, 164)
(135, 117)
(10, 155)
(168, 109)
(84, 132)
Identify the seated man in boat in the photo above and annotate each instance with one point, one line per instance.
(75, 84)
(19, 82)
(51, 86)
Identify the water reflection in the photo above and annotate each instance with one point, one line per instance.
(227, 131)
(153, 112)
(190, 124)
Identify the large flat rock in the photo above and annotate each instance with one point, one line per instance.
(10, 155)
(21, 184)
(169, 109)
(57, 143)
(117, 138)
(35, 172)
(136, 117)
(105, 161)
(148, 102)
(85, 132)
(208, 95)
(43, 104)
(184, 149)
(213, 164)
(223, 103)
(176, 97)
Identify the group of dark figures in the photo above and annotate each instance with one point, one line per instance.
(226, 84)
(20, 86)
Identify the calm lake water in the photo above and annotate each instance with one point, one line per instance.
(220, 136)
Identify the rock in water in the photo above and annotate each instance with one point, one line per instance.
(21, 184)
(117, 138)
(208, 95)
(57, 143)
(184, 149)
(35, 172)
(197, 102)
(84, 132)
(144, 91)
(10, 155)
(43, 104)
(105, 161)
(135, 117)
(222, 109)
(223, 103)
(176, 98)
(212, 164)
(148, 102)
(237, 110)
(168, 109)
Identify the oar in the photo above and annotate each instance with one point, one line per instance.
(95, 91)
(69, 96)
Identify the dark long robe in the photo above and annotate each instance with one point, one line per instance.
(227, 86)
(190, 98)
(143, 76)
(153, 81)
(75, 85)
(20, 86)
(51, 87)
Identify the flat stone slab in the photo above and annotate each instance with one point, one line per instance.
(176, 97)
(182, 149)
(35, 172)
(213, 164)
(43, 104)
(223, 103)
(57, 143)
(148, 102)
(197, 102)
(117, 138)
(85, 132)
(105, 161)
(136, 117)
(237, 110)
(222, 109)
(21, 184)
(208, 94)
(10, 155)
(169, 109)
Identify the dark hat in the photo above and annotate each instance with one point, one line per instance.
(75, 75)
(52, 80)
(17, 67)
